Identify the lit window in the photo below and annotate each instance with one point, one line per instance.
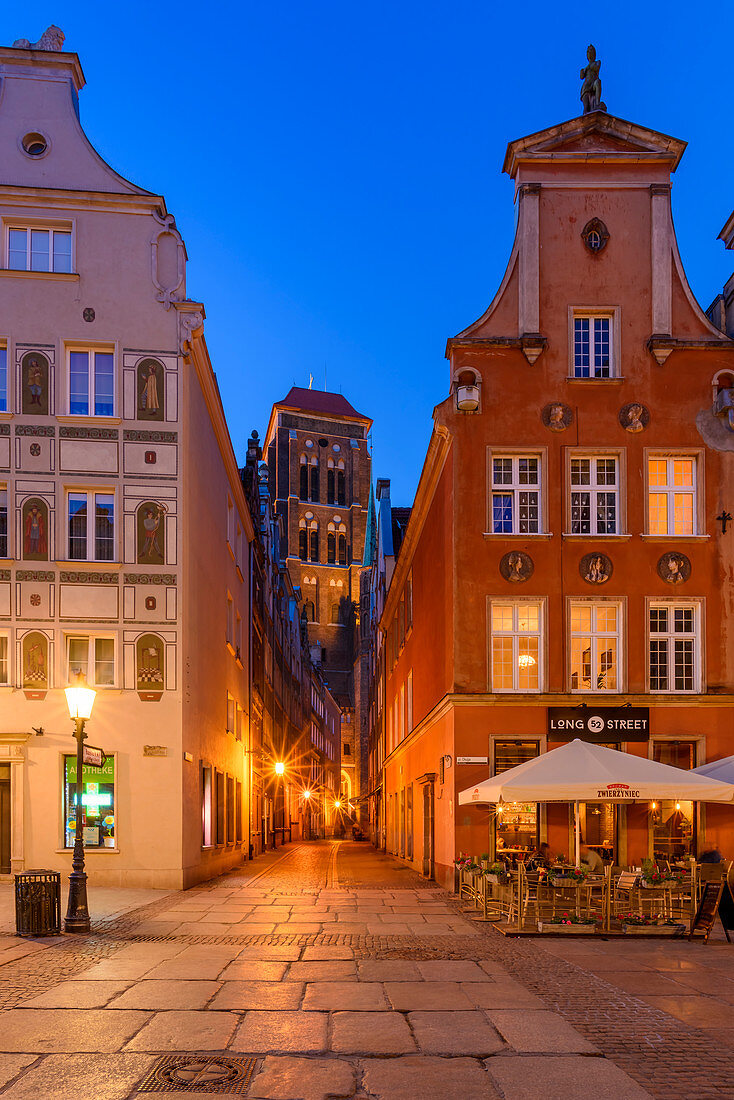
(91, 527)
(4, 659)
(671, 496)
(91, 383)
(93, 657)
(592, 347)
(3, 379)
(595, 645)
(206, 807)
(673, 642)
(3, 523)
(516, 495)
(39, 249)
(594, 496)
(98, 802)
(515, 646)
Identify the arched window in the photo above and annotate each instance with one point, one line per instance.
(342, 549)
(314, 542)
(309, 611)
(330, 486)
(335, 617)
(341, 487)
(302, 544)
(303, 484)
(314, 480)
(331, 548)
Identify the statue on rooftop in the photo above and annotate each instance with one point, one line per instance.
(591, 87)
(51, 39)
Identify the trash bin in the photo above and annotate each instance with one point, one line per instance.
(38, 903)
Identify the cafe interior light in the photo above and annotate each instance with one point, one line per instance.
(79, 698)
(279, 767)
(526, 660)
(677, 805)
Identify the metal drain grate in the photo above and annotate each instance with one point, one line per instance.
(200, 1073)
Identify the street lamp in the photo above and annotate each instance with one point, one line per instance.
(80, 700)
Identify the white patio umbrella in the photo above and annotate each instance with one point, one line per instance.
(723, 770)
(580, 772)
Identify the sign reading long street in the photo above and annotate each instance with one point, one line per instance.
(599, 724)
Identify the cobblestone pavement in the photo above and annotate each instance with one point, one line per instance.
(340, 973)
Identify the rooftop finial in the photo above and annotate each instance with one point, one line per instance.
(51, 39)
(591, 87)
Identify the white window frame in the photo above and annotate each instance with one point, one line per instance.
(593, 489)
(670, 490)
(91, 539)
(670, 636)
(591, 313)
(5, 636)
(4, 378)
(91, 673)
(516, 634)
(91, 351)
(5, 504)
(595, 637)
(514, 488)
(30, 228)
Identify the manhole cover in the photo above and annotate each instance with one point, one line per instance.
(199, 1073)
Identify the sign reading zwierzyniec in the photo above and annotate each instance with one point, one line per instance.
(599, 724)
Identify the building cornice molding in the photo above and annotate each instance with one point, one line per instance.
(438, 450)
(143, 202)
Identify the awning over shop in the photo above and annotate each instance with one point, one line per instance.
(723, 770)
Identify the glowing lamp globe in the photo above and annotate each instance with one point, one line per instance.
(279, 767)
(307, 794)
(80, 698)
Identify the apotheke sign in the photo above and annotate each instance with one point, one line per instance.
(595, 724)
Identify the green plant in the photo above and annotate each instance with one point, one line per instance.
(570, 918)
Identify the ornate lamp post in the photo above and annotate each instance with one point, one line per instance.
(80, 700)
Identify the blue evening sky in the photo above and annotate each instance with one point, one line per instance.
(335, 169)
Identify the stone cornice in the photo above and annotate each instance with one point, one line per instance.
(56, 198)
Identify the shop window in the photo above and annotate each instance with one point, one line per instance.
(220, 807)
(516, 495)
(592, 347)
(516, 646)
(238, 811)
(91, 382)
(595, 646)
(674, 821)
(93, 657)
(230, 809)
(674, 647)
(594, 496)
(516, 824)
(98, 804)
(206, 807)
(671, 497)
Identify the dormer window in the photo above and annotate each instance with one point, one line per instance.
(593, 346)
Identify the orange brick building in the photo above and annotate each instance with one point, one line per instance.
(565, 571)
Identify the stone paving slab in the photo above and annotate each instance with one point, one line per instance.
(82, 1077)
(371, 1033)
(12, 1064)
(564, 1078)
(532, 1032)
(175, 1031)
(241, 996)
(67, 1031)
(335, 996)
(157, 994)
(287, 1032)
(413, 1076)
(414, 996)
(79, 994)
(455, 1033)
(303, 1079)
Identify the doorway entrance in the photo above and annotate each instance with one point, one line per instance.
(429, 864)
(4, 819)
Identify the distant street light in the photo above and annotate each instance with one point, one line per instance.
(279, 767)
(80, 700)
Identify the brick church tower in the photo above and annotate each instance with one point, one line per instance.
(320, 470)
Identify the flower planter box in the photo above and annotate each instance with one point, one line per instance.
(653, 929)
(563, 881)
(498, 880)
(663, 884)
(566, 929)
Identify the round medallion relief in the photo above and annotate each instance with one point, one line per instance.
(556, 417)
(35, 449)
(35, 599)
(596, 568)
(634, 417)
(516, 566)
(674, 567)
